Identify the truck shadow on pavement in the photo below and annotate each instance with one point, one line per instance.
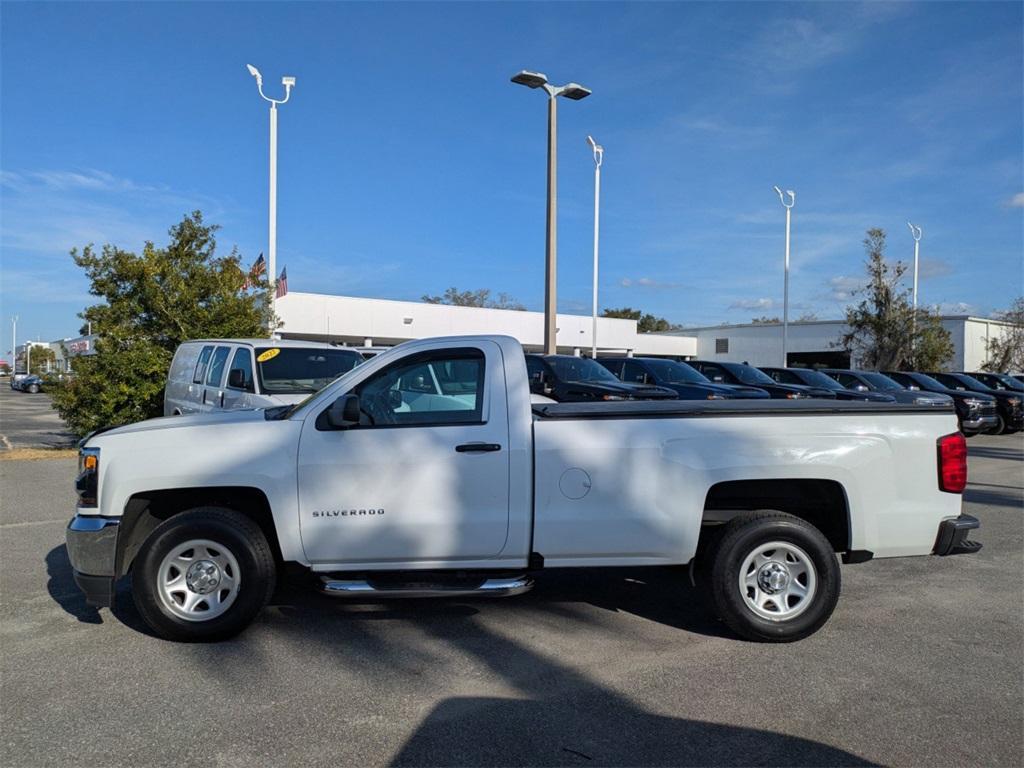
(62, 588)
(561, 716)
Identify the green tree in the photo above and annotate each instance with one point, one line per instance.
(765, 320)
(1006, 352)
(481, 297)
(41, 359)
(645, 322)
(151, 302)
(883, 330)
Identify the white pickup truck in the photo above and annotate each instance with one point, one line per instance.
(427, 471)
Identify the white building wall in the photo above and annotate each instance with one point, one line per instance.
(761, 345)
(357, 321)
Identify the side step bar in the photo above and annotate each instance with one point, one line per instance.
(363, 588)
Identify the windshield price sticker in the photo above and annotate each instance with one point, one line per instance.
(270, 354)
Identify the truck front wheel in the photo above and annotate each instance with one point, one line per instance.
(774, 577)
(203, 575)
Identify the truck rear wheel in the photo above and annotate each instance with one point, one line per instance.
(773, 577)
(203, 575)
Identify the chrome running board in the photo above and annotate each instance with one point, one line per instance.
(362, 588)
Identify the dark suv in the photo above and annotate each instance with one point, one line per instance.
(998, 380)
(818, 379)
(569, 379)
(748, 375)
(976, 411)
(1008, 404)
(873, 381)
(687, 382)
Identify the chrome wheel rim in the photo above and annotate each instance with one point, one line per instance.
(778, 581)
(198, 580)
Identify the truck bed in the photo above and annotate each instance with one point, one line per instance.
(676, 409)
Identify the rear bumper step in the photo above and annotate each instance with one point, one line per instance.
(366, 588)
(952, 538)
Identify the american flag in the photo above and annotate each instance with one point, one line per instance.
(258, 268)
(282, 283)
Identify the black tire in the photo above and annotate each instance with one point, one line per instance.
(1000, 426)
(230, 531)
(740, 538)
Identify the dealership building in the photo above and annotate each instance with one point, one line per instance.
(814, 343)
(362, 322)
(381, 322)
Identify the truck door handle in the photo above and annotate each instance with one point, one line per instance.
(477, 447)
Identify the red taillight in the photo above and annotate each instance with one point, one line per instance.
(952, 463)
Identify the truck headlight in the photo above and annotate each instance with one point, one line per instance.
(713, 396)
(612, 397)
(1013, 401)
(971, 402)
(88, 481)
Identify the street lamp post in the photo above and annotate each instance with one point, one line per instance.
(785, 289)
(915, 232)
(14, 344)
(288, 83)
(598, 159)
(575, 92)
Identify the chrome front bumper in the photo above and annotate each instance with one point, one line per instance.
(981, 423)
(92, 550)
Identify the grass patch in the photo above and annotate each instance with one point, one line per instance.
(36, 454)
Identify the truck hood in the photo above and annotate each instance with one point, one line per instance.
(177, 422)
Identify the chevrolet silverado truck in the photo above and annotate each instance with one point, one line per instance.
(427, 471)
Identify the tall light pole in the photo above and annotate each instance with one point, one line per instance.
(785, 289)
(575, 92)
(598, 151)
(14, 344)
(288, 83)
(915, 232)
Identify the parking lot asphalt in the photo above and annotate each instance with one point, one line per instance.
(28, 421)
(922, 664)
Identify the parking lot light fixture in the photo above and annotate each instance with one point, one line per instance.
(785, 285)
(14, 344)
(915, 232)
(288, 83)
(573, 91)
(598, 151)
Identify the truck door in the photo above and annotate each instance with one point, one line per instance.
(238, 386)
(213, 392)
(424, 477)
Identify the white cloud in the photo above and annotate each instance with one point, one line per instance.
(763, 303)
(956, 308)
(1017, 201)
(842, 287)
(645, 282)
(934, 268)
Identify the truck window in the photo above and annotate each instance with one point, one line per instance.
(435, 389)
(216, 375)
(200, 372)
(534, 369)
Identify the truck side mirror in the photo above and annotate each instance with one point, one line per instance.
(344, 412)
(237, 380)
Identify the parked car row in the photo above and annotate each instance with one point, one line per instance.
(231, 374)
(32, 384)
(984, 402)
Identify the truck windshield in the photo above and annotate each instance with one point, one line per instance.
(294, 370)
(580, 369)
(881, 381)
(671, 372)
(748, 374)
(819, 379)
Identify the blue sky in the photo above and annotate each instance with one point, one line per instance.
(409, 163)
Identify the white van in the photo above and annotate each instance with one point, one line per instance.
(232, 374)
